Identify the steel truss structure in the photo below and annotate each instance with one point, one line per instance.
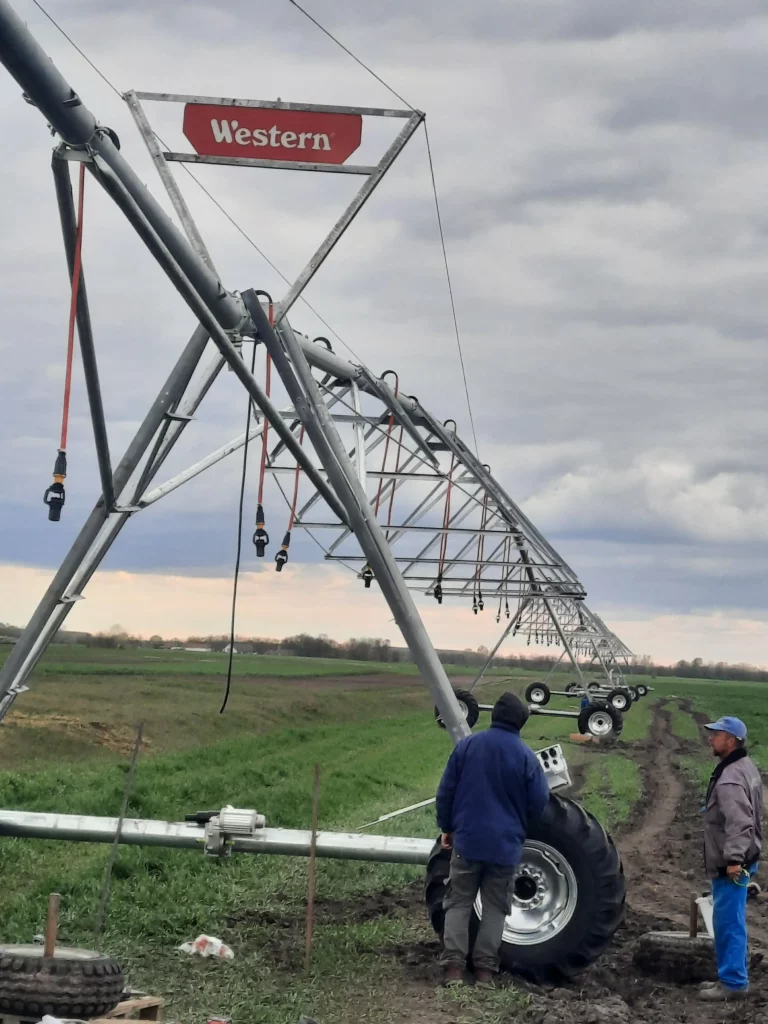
(387, 489)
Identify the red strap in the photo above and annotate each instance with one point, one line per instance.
(390, 425)
(295, 488)
(76, 274)
(446, 518)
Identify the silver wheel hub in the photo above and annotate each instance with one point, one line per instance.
(537, 696)
(619, 703)
(543, 899)
(600, 723)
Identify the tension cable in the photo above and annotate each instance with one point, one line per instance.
(54, 496)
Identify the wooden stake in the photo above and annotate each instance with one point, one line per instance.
(101, 919)
(694, 919)
(52, 925)
(312, 872)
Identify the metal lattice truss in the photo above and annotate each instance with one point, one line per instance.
(453, 530)
(386, 488)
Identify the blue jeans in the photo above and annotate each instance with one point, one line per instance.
(730, 923)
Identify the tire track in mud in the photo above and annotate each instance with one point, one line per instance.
(656, 846)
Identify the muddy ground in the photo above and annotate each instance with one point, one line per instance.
(662, 855)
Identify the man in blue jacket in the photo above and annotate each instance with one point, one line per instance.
(492, 787)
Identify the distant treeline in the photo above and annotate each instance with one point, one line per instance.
(304, 645)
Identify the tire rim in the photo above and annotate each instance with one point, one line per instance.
(65, 953)
(537, 696)
(545, 896)
(464, 712)
(600, 723)
(620, 702)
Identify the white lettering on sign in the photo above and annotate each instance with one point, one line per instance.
(226, 131)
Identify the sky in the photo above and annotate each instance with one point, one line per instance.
(600, 166)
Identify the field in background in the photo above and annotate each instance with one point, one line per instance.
(65, 748)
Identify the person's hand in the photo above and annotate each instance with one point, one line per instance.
(734, 872)
(446, 841)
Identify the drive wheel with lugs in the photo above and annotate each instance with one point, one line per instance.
(568, 896)
(75, 983)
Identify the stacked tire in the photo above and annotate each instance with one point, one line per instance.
(74, 983)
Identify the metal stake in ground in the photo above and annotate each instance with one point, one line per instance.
(101, 920)
(312, 869)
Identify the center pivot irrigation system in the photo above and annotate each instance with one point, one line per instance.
(386, 489)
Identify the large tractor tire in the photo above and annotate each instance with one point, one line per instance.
(537, 693)
(600, 720)
(75, 983)
(469, 705)
(568, 901)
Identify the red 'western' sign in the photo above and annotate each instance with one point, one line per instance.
(260, 133)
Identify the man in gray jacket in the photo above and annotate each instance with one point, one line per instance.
(733, 836)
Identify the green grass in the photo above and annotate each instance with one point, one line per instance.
(378, 749)
(161, 898)
(748, 701)
(612, 786)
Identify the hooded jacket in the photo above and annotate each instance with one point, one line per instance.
(492, 788)
(733, 812)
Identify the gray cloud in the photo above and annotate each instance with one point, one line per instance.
(600, 167)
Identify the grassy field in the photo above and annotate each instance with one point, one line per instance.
(65, 748)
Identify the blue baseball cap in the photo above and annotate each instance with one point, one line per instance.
(734, 726)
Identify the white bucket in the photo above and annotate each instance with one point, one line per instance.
(707, 908)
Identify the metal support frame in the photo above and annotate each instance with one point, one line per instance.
(223, 318)
(339, 482)
(373, 175)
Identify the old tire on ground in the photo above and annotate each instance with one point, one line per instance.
(642, 690)
(674, 956)
(600, 720)
(469, 705)
(76, 983)
(537, 693)
(620, 700)
(569, 895)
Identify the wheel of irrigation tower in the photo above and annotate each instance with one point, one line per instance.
(634, 693)
(79, 984)
(537, 693)
(469, 705)
(642, 690)
(620, 699)
(600, 720)
(568, 896)
(573, 688)
(593, 689)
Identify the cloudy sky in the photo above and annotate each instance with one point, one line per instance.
(601, 172)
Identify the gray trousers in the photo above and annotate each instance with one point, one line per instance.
(494, 883)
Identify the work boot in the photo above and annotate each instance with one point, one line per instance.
(453, 974)
(720, 994)
(483, 977)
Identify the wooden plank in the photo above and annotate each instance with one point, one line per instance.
(144, 1008)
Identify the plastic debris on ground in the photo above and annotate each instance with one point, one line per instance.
(207, 945)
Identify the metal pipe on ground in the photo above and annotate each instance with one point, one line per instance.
(189, 836)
